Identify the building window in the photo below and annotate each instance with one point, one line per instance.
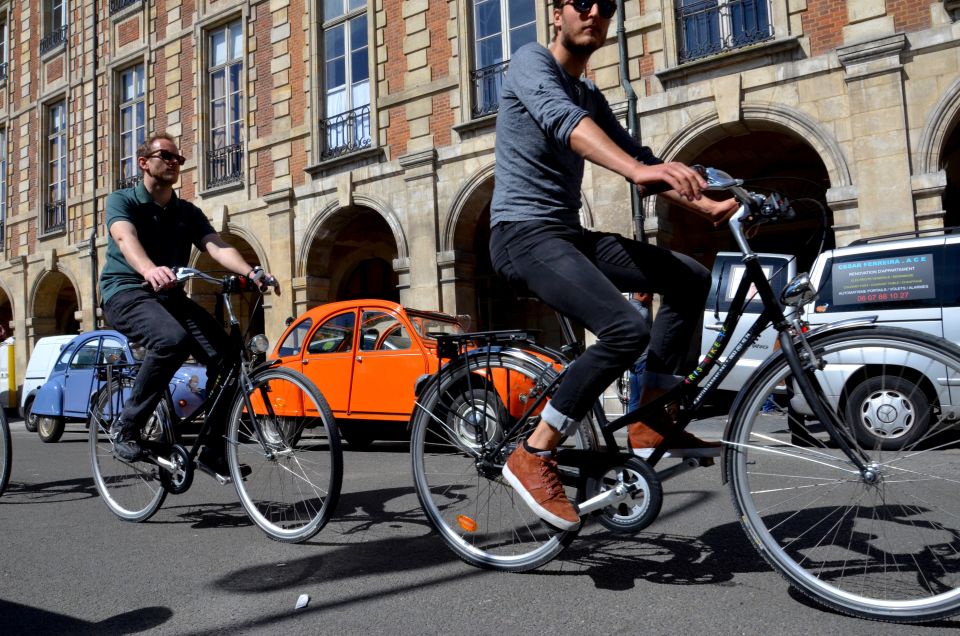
(346, 78)
(708, 27)
(3, 50)
(116, 6)
(133, 108)
(500, 28)
(55, 25)
(55, 206)
(225, 73)
(3, 186)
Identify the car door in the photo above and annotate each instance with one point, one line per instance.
(387, 362)
(78, 378)
(327, 359)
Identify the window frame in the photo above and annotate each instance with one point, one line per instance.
(724, 26)
(121, 105)
(354, 141)
(4, 46)
(50, 184)
(3, 186)
(231, 155)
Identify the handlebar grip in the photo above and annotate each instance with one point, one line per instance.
(654, 188)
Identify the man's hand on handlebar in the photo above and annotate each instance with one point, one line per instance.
(264, 280)
(159, 277)
(676, 176)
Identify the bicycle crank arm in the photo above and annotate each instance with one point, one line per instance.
(221, 479)
(688, 463)
(613, 497)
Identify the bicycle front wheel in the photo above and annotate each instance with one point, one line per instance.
(284, 455)
(132, 490)
(6, 453)
(456, 421)
(882, 543)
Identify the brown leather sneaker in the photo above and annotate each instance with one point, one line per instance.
(535, 478)
(641, 440)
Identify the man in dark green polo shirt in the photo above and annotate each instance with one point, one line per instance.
(151, 231)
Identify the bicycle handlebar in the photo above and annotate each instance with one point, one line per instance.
(228, 283)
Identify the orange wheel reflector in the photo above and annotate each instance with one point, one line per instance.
(467, 523)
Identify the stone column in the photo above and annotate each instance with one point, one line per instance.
(928, 192)
(874, 78)
(457, 284)
(280, 246)
(420, 203)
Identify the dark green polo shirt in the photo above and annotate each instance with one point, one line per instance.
(167, 234)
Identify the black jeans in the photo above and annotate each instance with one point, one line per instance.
(171, 327)
(581, 274)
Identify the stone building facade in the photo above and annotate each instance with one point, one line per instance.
(347, 145)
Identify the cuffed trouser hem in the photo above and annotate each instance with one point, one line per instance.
(558, 421)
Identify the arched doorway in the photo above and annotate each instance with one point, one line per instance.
(55, 305)
(247, 307)
(6, 315)
(776, 160)
(351, 256)
(950, 163)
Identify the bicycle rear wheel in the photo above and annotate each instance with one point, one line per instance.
(463, 494)
(6, 452)
(132, 490)
(290, 445)
(884, 545)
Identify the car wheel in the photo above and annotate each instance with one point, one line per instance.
(49, 428)
(888, 412)
(29, 418)
(357, 438)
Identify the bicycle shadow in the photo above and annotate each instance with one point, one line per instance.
(24, 619)
(22, 493)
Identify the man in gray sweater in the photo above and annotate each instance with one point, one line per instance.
(550, 121)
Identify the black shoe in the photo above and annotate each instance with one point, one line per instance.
(216, 463)
(125, 445)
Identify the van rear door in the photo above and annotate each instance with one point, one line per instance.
(728, 271)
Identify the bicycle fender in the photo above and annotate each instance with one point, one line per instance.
(812, 336)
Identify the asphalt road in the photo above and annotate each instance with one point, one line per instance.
(67, 565)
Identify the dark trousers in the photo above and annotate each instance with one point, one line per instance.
(581, 274)
(171, 327)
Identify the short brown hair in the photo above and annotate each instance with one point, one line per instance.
(144, 149)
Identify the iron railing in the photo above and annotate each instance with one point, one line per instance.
(129, 182)
(708, 27)
(486, 84)
(117, 6)
(55, 216)
(3, 72)
(345, 133)
(53, 40)
(225, 165)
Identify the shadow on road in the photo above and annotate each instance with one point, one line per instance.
(49, 491)
(23, 619)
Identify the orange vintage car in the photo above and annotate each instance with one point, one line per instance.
(365, 356)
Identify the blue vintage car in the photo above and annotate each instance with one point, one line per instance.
(65, 396)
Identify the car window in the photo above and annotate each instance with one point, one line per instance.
(426, 324)
(334, 335)
(892, 279)
(112, 351)
(86, 355)
(293, 343)
(64, 358)
(382, 331)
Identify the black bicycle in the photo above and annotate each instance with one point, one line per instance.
(870, 532)
(283, 449)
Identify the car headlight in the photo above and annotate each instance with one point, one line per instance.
(259, 344)
(138, 351)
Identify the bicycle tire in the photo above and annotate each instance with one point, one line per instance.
(133, 491)
(6, 452)
(293, 455)
(886, 549)
(472, 507)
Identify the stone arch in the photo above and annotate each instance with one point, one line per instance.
(54, 300)
(315, 229)
(707, 129)
(941, 122)
(249, 312)
(7, 309)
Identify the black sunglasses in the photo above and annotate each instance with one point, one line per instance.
(606, 7)
(167, 156)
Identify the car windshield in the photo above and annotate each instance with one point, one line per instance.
(428, 324)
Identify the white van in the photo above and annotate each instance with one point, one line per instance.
(44, 356)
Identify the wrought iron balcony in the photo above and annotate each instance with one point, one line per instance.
(486, 83)
(3, 231)
(117, 6)
(225, 165)
(55, 216)
(708, 27)
(345, 133)
(3, 72)
(129, 182)
(53, 40)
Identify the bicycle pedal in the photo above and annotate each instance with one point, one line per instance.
(223, 480)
